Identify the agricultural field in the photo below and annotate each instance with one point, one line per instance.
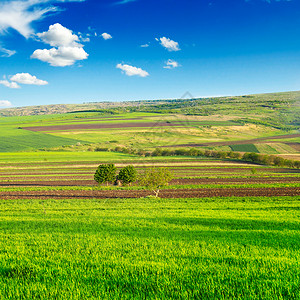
(266, 123)
(223, 228)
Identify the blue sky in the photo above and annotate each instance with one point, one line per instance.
(74, 51)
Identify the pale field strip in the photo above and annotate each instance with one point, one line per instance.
(169, 164)
(291, 156)
(45, 175)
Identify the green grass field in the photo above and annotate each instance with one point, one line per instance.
(218, 248)
(53, 246)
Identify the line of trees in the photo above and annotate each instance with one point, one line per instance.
(264, 159)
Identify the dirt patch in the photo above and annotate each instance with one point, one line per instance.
(102, 126)
(87, 181)
(243, 142)
(296, 146)
(179, 193)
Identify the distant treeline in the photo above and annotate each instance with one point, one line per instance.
(262, 159)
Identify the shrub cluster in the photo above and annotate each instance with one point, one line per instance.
(270, 160)
(107, 173)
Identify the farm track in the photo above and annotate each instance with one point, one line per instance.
(90, 171)
(139, 162)
(242, 142)
(178, 193)
(179, 181)
(296, 146)
(102, 126)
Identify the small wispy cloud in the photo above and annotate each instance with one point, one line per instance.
(145, 45)
(106, 36)
(171, 64)
(132, 71)
(6, 52)
(9, 84)
(5, 103)
(124, 2)
(169, 44)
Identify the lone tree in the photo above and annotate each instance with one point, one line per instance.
(127, 175)
(155, 178)
(105, 173)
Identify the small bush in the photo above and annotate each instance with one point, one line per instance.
(155, 178)
(105, 173)
(127, 175)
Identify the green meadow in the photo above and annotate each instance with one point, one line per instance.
(217, 248)
(59, 247)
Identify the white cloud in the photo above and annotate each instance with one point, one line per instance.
(26, 78)
(22, 78)
(169, 44)
(60, 57)
(5, 103)
(85, 39)
(171, 64)
(11, 85)
(145, 45)
(59, 36)
(6, 52)
(67, 50)
(106, 36)
(20, 14)
(132, 71)
(124, 2)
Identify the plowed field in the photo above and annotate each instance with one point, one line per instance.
(194, 179)
(178, 193)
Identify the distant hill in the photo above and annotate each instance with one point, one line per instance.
(273, 109)
(68, 108)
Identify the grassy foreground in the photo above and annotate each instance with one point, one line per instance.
(219, 248)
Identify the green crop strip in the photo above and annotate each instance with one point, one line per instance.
(177, 186)
(216, 248)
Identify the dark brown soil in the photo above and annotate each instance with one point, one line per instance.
(181, 181)
(101, 126)
(179, 193)
(296, 146)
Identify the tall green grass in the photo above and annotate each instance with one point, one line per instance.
(219, 248)
(245, 148)
(13, 139)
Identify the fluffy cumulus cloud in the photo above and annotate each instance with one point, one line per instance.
(5, 103)
(169, 44)
(106, 36)
(26, 78)
(171, 64)
(9, 84)
(132, 71)
(60, 57)
(20, 14)
(58, 35)
(66, 49)
(22, 78)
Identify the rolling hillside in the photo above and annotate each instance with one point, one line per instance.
(264, 123)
